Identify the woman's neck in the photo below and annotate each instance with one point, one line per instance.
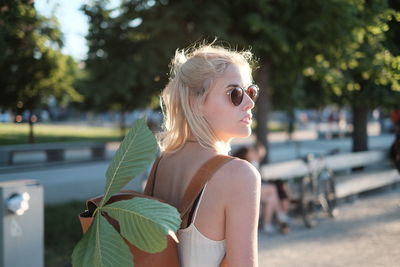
(219, 147)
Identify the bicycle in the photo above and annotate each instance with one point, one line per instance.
(317, 189)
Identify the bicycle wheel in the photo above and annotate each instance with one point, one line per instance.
(329, 202)
(327, 192)
(307, 202)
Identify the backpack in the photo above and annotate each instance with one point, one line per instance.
(169, 256)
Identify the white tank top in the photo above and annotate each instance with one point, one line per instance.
(195, 249)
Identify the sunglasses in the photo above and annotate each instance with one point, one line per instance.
(237, 94)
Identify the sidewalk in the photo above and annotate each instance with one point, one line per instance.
(365, 233)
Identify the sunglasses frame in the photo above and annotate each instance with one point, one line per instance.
(243, 91)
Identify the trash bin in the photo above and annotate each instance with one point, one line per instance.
(21, 224)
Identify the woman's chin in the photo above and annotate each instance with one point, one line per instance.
(237, 133)
(244, 133)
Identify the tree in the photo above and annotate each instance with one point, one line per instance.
(295, 42)
(283, 47)
(392, 43)
(287, 36)
(32, 66)
(298, 39)
(364, 74)
(123, 66)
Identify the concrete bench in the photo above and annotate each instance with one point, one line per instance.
(377, 171)
(54, 151)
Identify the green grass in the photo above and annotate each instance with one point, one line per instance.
(13, 133)
(17, 133)
(62, 231)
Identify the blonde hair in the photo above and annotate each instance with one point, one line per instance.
(192, 74)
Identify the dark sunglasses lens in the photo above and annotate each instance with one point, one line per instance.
(252, 91)
(237, 96)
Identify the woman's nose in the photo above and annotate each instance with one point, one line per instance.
(249, 103)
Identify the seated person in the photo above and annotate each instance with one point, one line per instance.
(270, 200)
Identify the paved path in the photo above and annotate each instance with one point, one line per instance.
(63, 183)
(366, 233)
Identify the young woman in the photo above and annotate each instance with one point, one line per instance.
(208, 102)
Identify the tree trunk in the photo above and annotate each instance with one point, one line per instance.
(122, 125)
(360, 135)
(263, 108)
(31, 138)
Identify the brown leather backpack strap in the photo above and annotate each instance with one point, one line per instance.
(202, 176)
(151, 180)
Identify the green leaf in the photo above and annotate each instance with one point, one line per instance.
(101, 246)
(145, 222)
(133, 156)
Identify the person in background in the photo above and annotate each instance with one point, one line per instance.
(270, 201)
(395, 117)
(395, 151)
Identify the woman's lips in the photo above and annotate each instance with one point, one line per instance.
(246, 119)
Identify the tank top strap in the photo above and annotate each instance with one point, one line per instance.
(198, 204)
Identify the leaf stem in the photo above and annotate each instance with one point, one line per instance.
(95, 211)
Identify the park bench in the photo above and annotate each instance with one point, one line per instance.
(377, 171)
(353, 173)
(54, 151)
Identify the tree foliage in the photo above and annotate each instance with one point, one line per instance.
(365, 74)
(31, 63)
(122, 72)
(310, 52)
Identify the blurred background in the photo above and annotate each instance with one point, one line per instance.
(81, 72)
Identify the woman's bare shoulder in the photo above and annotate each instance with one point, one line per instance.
(237, 174)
